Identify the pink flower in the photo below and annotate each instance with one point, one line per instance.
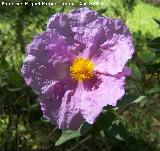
(78, 66)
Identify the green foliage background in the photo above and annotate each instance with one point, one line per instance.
(133, 125)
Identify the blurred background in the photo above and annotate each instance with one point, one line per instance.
(134, 125)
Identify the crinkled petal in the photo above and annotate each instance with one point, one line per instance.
(88, 35)
(60, 22)
(113, 54)
(113, 60)
(61, 105)
(109, 91)
(47, 59)
(48, 45)
(82, 16)
(39, 74)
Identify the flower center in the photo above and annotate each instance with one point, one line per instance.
(81, 69)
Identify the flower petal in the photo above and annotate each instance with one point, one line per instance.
(47, 59)
(61, 105)
(109, 91)
(82, 16)
(60, 22)
(39, 74)
(48, 45)
(116, 50)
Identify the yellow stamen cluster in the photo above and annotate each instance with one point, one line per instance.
(81, 69)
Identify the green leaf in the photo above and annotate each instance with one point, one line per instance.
(14, 89)
(67, 135)
(130, 99)
(153, 68)
(4, 64)
(34, 106)
(155, 43)
(139, 99)
(157, 21)
(127, 99)
(154, 90)
(43, 119)
(118, 131)
(102, 10)
(85, 127)
(105, 120)
(109, 123)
